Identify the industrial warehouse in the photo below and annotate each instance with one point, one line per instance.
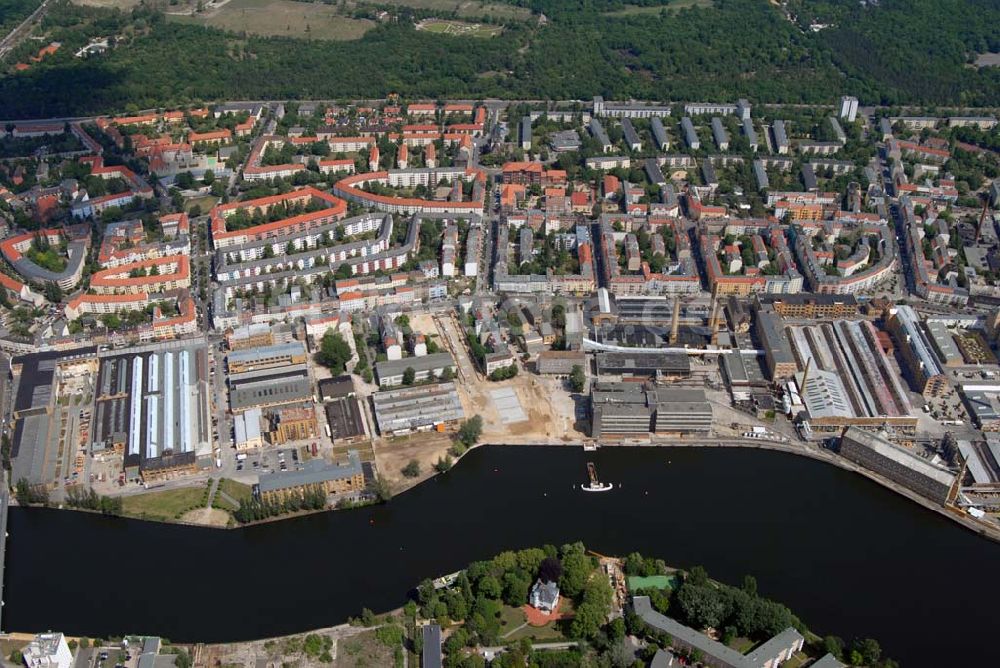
(897, 464)
(417, 408)
(631, 411)
(847, 379)
(268, 376)
(153, 407)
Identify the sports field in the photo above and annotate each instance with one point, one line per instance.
(281, 18)
(459, 28)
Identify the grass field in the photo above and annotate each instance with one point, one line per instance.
(673, 6)
(236, 490)
(282, 18)
(362, 651)
(108, 4)
(459, 28)
(467, 9)
(164, 506)
(204, 203)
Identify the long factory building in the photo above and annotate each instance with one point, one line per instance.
(632, 411)
(849, 381)
(153, 406)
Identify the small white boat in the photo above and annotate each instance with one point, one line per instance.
(599, 487)
(595, 485)
(590, 447)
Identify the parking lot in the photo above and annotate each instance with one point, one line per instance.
(267, 461)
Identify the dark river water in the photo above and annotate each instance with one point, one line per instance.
(849, 557)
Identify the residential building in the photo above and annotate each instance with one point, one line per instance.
(781, 143)
(690, 134)
(628, 109)
(769, 654)
(750, 134)
(525, 132)
(598, 132)
(631, 136)
(848, 108)
(719, 134)
(660, 134)
(544, 597)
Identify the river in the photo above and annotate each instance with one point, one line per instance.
(846, 555)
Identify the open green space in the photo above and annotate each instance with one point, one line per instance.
(164, 506)
(459, 28)
(646, 10)
(237, 490)
(47, 259)
(469, 9)
(363, 651)
(637, 582)
(203, 204)
(283, 18)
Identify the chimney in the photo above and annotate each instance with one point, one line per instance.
(676, 323)
(805, 376)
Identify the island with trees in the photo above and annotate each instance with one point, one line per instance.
(568, 606)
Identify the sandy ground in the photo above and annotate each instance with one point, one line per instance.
(212, 517)
(391, 455)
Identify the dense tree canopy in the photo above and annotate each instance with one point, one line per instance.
(913, 51)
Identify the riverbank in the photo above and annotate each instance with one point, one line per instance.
(985, 529)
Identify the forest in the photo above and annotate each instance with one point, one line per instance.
(895, 52)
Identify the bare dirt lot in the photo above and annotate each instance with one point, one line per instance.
(393, 454)
(211, 517)
(545, 402)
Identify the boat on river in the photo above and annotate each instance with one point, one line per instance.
(595, 485)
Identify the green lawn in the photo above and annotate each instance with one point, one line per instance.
(164, 506)
(637, 582)
(204, 203)
(469, 9)
(286, 18)
(362, 650)
(551, 632)
(655, 10)
(510, 619)
(237, 490)
(742, 645)
(47, 259)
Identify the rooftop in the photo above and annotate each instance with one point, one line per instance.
(313, 471)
